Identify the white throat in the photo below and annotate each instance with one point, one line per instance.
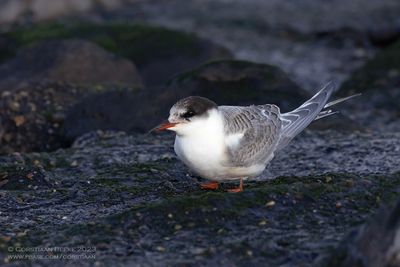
(212, 124)
(200, 143)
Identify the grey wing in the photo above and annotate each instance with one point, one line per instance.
(294, 122)
(255, 132)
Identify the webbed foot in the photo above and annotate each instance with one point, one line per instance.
(209, 185)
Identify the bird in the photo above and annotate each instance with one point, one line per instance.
(228, 143)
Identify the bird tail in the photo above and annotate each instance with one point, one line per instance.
(296, 121)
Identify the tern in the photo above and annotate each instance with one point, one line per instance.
(222, 143)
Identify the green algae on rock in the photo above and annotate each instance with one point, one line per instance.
(73, 61)
(157, 52)
(43, 57)
(225, 82)
(236, 82)
(129, 197)
(225, 225)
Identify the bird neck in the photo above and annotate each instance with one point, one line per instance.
(211, 126)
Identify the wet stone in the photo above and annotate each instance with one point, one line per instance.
(101, 193)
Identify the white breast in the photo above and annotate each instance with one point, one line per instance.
(202, 148)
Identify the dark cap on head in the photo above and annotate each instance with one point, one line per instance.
(194, 106)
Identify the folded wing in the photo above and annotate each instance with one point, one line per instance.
(252, 133)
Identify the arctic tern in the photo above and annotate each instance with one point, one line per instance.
(221, 143)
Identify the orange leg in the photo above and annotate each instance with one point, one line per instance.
(237, 189)
(209, 185)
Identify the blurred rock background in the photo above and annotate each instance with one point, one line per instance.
(82, 81)
(311, 40)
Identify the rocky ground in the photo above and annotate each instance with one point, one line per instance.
(77, 169)
(131, 199)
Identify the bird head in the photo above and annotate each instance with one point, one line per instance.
(188, 115)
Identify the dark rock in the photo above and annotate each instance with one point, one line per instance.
(385, 37)
(43, 80)
(23, 178)
(73, 61)
(14, 11)
(381, 71)
(374, 244)
(339, 122)
(356, 152)
(118, 110)
(283, 17)
(225, 82)
(329, 41)
(244, 83)
(379, 83)
(234, 82)
(128, 197)
(158, 53)
(32, 116)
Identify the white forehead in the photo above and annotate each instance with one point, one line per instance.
(177, 109)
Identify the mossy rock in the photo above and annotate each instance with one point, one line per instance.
(270, 222)
(227, 82)
(72, 61)
(44, 80)
(157, 52)
(236, 82)
(378, 74)
(127, 196)
(379, 82)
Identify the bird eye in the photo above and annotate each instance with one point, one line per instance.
(188, 114)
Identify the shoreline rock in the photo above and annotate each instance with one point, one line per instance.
(129, 197)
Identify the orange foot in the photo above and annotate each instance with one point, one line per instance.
(209, 185)
(237, 189)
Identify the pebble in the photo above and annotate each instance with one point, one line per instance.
(160, 248)
(261, 223)
(270, 203)
(14, 106)
(19, 120)
(74, 163)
